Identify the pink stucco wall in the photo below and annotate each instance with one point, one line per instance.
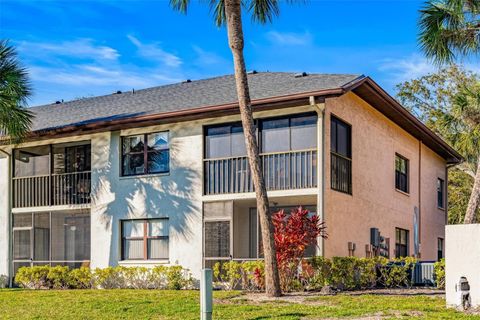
(375, 202)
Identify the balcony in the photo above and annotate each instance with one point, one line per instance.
(52, 175)
(54, 190)
(281, 170)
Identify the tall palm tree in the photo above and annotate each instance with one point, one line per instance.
(449, 28)
(466, 120)
(229, 12)
(15, 118)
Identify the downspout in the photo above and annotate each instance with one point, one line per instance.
(320, 108)
(419, 199)
(8, 215)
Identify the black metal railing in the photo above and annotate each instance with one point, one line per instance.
(52, 190)
(341, 173)
(281, 170)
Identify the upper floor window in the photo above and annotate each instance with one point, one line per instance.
(145, 154)
(401, 173)
(297, 132)
(440, 193)
(145, 239)
(341, 155)
(280, 134)
(224, 141)
(401, 242)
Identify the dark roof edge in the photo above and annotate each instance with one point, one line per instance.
(455, 157)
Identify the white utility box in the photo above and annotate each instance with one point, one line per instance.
(462, 265)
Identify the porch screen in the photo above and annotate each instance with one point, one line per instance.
(217, 229)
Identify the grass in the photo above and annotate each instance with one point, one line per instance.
(152, 304)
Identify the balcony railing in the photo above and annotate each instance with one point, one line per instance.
(281, 170)
(341, 173)
(52, 190)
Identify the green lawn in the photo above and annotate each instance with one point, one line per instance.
(152, 304)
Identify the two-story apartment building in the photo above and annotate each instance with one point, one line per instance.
(160, 176)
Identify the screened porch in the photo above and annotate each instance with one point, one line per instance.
(232, 232)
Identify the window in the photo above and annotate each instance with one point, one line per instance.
(440, 193)
(224, 141)
(217, 239)
(341, 155)
(401, 242)
(145, 154)
(145, 239)
(440, 248)
(297, 132)
(401, 173)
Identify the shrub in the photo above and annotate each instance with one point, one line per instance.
(293, 233)
(58, 277)
(396, 273)
(227, 275)
(439, 271)
(137, 277)
(109, 278)
(158, 277)
(178, 278)
(316, 273)
(253, 275)
(80, 278)
(3, 281)
(32, 277)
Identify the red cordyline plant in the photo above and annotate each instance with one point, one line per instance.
(294, 233)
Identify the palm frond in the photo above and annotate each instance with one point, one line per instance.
(217, 7)
(180, 5)
(448, 28)
(263, 11)
(15, 89)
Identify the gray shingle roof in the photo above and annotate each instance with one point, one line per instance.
(180, 96)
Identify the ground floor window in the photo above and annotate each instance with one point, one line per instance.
(51, 238)
(401, 242)
(440, 248)
(145, 239)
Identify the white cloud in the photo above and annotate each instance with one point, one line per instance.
(87, 76)
(153, 51)
(403, 69)
(80, 48)
(208, 58)
(290, 38)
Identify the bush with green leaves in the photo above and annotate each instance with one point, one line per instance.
(3, 281)
(439, 271)
(60, 277)
(33, 277)
(396, 273)
(80, 278)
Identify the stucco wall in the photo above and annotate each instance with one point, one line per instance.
(375, 202)
(462, 259)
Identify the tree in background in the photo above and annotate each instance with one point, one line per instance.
(229, 13)
(448, 102)
(15, 118)
(449, 28)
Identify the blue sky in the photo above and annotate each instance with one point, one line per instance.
(83, 48)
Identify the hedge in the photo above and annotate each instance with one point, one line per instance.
(61, 277)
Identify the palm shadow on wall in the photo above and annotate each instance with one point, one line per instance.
(170, 195)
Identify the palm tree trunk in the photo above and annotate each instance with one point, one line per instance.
(474, 202)
(236, 42)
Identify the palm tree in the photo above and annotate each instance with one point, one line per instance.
(449, 28)
(466, 120)
(229, 12)
(15, 118)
